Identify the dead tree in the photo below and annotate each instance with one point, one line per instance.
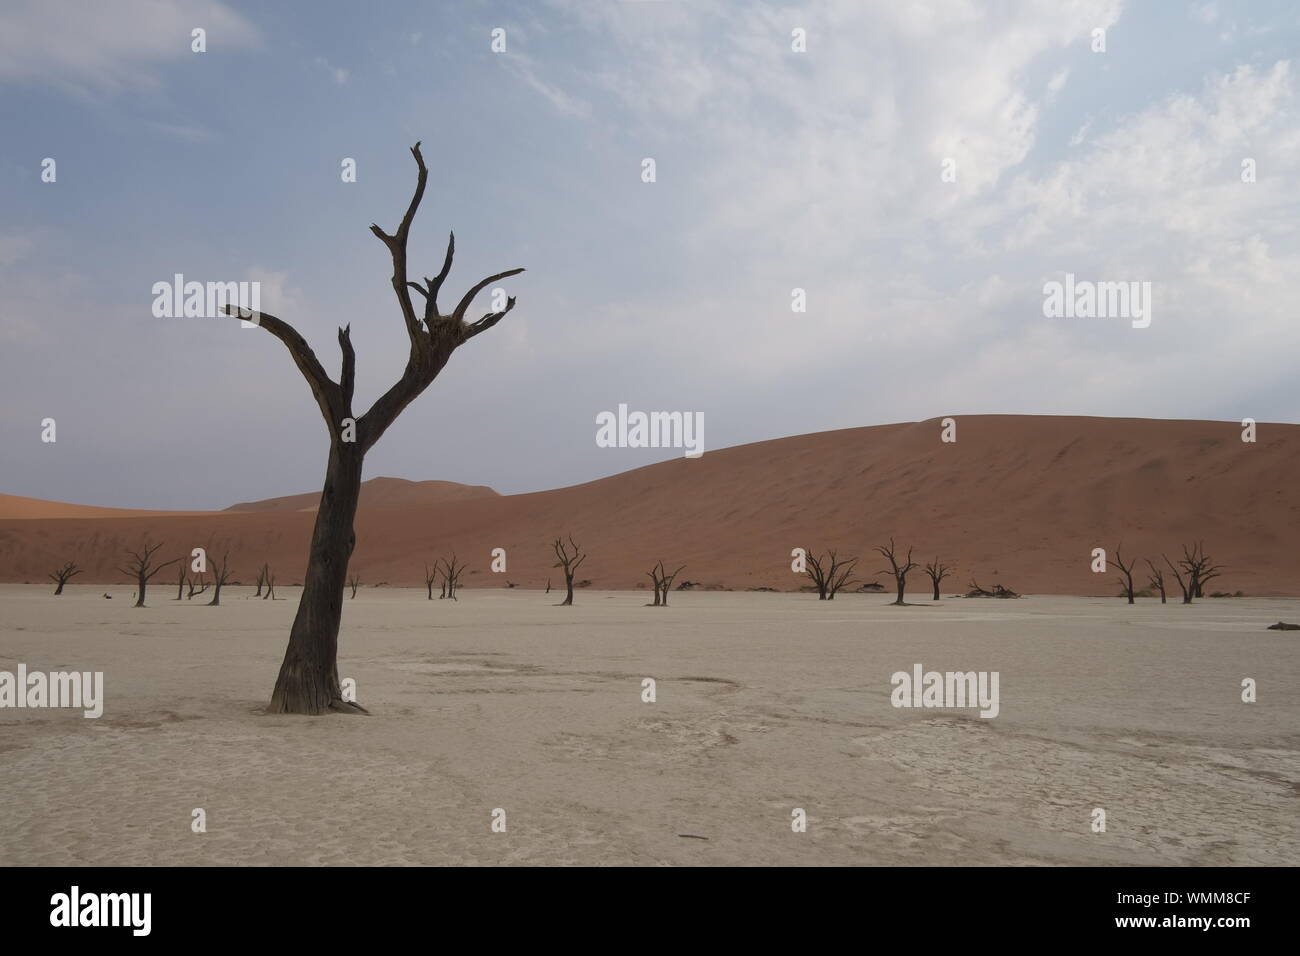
(181, 580)
(899, 571)
(1200, 567)
(937, 573)
(1156, 579)
(354, 582)
(1178, 576)
(202, 587)
(430, 577)
(142, 568)
(220, 575)
(828, 572)
(308, 682)
(663, 581)
(262, 573)
(451, 573)
(308, 675)
(569, 561)
(1193, 570)
(1126, 574)
(64, 574)
(270, 587)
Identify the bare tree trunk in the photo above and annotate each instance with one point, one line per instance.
(308, 681)
(899, 571)
(63, 575)
(309, 678)
(569, 563)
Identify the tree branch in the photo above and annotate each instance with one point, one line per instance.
(489, 320)
(459, 315)
(348, 374)
(327, 392)
(396, 244)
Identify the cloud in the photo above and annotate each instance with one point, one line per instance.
(13, 249)
(277, 296)
(87, 47)
(822, 170)
(339, 75)
(186, 132)
(563, 103)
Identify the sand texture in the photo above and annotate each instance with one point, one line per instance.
(765, 703)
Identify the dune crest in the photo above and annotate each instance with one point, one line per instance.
(1017, 500)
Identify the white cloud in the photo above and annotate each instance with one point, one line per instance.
(337, 74)
(822, 170)
(88, 47)
(277, 296)
(561, 101)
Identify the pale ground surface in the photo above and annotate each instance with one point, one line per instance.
(766, 702)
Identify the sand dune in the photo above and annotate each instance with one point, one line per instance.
(1018, 500)
(380, 493)
(15, 506)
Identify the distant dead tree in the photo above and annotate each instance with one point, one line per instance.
(197, 586)
(999, 591)
(1178, 576)
(828, 572)
(1126, 574)
(64, 574)
(220, 575)
(1200, 565)
(899, 571)
(270, 586)
(451, 573)
(308, 682)
(1193, 570)
(354, 582)
(662, 582)
(569, 561)
(1156, 579)
(181, 580)
(429, 577)
(262, 573)
(142, 568)
(937, 573)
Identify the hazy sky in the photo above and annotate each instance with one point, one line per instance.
(776, 170)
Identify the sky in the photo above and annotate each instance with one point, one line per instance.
(820, 169)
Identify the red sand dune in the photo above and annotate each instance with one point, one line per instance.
(1017, 500)
(380, 493)
(14, 506)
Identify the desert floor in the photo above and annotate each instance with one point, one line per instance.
(765, 703)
